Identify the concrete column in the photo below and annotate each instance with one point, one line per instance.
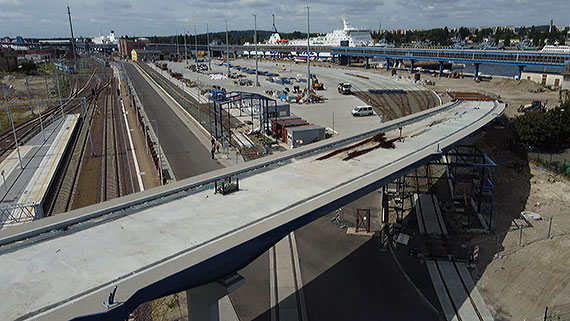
(366, 63)
(203, 300)
(476, 72)
(412, 65)
(521, 68)
(441, 68)
(387, 63)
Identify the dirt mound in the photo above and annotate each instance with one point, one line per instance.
(522, 85)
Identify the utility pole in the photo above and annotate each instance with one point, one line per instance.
(11, 119)
(196, 48)
(208, 43)
(185, 49)
(560, 125)
(255, 41)
(227, 49)
(58, 91)
(177, 47)
(41, 121)
(29, 98)
(47, 89)
(72, 41)
(308, 59)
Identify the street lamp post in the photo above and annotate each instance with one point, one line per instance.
(227, 49)
(208, 43)
(185, 48)
(196, 48)
(255, 42)
(308, 59)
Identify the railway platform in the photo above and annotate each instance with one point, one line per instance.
(26, 182)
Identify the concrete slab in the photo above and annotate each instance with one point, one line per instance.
(444, 300)
(457, 291)
(475, 295)
(353, 231)
(430, 216)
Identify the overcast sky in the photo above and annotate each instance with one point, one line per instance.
(48, 18)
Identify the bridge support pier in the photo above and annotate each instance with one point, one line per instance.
(366, 66)
(521, 68)
(203, 300)
(412, 65)
(476, 72)
(387, 63)
(441, 68)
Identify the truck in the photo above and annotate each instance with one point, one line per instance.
(536, 107)
(344, 88)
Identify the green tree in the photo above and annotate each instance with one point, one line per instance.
(545, 130)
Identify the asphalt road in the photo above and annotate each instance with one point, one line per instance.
(186, 155)
(345, 278)
(349, 278)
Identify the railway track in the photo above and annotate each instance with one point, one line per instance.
(26, 129)
(108, 165)
(110, 180)
(62, 196)
(287, 299)
(449, 273)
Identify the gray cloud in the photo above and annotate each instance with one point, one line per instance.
(40, 18)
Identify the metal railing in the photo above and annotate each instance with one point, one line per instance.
(19, 213)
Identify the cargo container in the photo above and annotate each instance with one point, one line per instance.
(303, 135)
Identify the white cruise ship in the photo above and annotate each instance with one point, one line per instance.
(356, 37)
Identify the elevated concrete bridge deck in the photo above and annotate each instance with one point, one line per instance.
(175, 237)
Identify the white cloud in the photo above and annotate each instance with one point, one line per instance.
(150, 17)
(10, 2)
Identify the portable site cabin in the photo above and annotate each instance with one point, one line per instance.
(303, 135)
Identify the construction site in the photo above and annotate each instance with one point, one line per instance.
(461, 234)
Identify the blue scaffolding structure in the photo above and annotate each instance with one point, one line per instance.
(472, 173)
(472, 179)
(220, 104)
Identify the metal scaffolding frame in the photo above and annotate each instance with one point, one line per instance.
(472, 179)
(220, 104)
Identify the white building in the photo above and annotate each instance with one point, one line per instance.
(106, 40)
(543, 78)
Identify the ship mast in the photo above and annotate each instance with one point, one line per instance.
(274, 28)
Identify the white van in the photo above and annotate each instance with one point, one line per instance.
(362, 111)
